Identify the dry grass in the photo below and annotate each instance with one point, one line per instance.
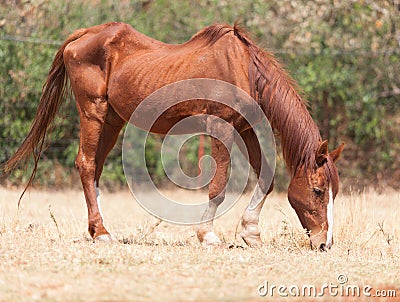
(46, 254)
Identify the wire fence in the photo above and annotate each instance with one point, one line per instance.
(30, 40)
(337, 52)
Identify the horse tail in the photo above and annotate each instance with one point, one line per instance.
(53, 93)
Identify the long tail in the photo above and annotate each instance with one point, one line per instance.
(54, 91)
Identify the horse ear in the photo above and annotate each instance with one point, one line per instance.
(322, 153)
(335, 154)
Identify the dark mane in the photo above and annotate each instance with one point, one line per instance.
(212, 34)
(287, 112)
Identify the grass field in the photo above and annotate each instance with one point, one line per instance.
(46, 254)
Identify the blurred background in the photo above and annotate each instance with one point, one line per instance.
(345, 55)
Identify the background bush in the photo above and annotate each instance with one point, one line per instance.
(344, 55)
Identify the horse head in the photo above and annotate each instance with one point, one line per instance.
(312, 192)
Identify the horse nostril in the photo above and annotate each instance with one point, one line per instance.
(322, 247)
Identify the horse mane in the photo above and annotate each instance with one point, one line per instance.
(277, 93)
(212, 33)
(279, 97)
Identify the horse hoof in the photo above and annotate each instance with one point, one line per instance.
(252, 241)
(106, 238)
(210, 239)
(220, 246)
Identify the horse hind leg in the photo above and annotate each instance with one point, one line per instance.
(92, 116)
(221, 143)
(109, 135)
(90, 90)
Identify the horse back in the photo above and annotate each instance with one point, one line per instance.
(132, 66)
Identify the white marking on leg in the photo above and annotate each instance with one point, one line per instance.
(257, 197)
(211, 239)
(250, 218)
(106, 238)
(329, 215)
(97, 190)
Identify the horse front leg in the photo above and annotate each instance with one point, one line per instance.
(221, 144)
(250, 219)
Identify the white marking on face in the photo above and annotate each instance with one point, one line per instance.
(329, 214)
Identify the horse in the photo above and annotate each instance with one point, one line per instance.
(111, 68)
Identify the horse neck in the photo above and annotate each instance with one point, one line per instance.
(276, 92)
(288, 115)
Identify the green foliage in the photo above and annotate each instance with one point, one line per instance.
(344, 54)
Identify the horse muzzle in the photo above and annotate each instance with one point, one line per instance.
(319, 242)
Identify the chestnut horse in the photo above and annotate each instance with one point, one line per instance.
(112, 68)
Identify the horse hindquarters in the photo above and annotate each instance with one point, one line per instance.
(85, 63)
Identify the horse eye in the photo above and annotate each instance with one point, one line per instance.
(317, 191)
